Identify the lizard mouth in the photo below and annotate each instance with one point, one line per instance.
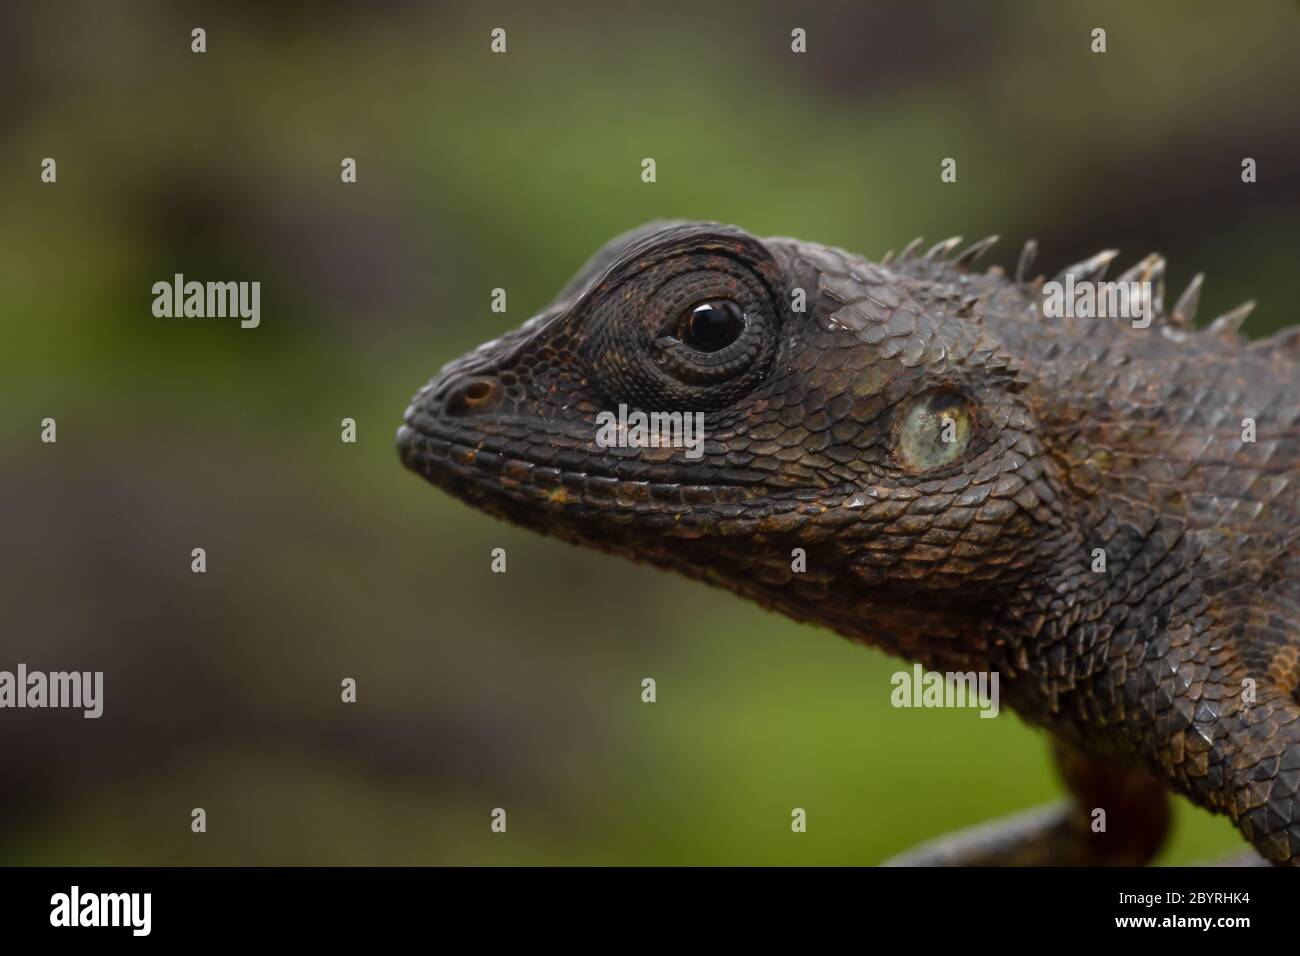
(666, 524)
(549, 477)
(484, 468)
(459, 429)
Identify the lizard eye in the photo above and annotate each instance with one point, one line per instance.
(711, 326)
(933, 430)
(691, 321)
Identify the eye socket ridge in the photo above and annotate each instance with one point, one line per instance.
(655, 344)
(714, 326)
(691, 366)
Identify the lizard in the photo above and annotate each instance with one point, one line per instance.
(977, 485)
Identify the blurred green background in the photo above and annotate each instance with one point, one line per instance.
(476, 170)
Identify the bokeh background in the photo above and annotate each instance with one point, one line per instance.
(477, 170)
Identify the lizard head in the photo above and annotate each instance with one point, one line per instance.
(790, 421)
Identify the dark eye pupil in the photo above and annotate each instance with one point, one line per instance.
(711, 326)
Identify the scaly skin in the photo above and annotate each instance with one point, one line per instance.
(974, 554)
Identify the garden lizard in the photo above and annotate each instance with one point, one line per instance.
(922, 457)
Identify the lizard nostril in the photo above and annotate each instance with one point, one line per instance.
(475, 395)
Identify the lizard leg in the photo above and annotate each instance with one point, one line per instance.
(1259, 765)
(1236, 749)
(1137, 816)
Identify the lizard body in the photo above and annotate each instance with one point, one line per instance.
(952, 462)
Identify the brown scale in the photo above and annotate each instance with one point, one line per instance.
(1177, 668)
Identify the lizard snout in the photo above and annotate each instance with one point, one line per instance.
(449, 399)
